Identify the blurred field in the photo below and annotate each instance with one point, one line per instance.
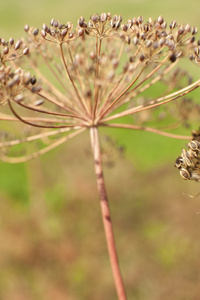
(52, 244)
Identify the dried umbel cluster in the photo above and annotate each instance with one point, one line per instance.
(11, 50)
(189, 161)
(68, 78)
(13, 84)
(154, 36)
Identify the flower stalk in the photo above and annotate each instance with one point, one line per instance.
(106, 216)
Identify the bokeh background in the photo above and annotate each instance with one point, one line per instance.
(52, 243)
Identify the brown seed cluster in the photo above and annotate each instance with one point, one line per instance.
(13, 83)
(95, 72)
(196, 55)
(57, 32)
(155, 36)
(189, 161)
(10, 50)
(102, 26)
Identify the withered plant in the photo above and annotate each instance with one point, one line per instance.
(189, 161)
(65, 79)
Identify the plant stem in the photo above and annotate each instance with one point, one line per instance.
(106, 215)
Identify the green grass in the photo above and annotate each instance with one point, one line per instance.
(13, 181)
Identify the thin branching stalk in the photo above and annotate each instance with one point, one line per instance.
(148, 129)
(5, 117)
(76, 69)
(134, 91)
(132, 83)
(53, 71)
(34, 124)
(116, 90)
(153, 81)
(46, 96)
(156, 102)
(52, 87)
(47, 112)
(36, 137)
(122, 93)
(81, 100)
(16, 160)
(96, 86)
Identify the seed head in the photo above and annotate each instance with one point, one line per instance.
(100, 68)
(26, 27)
(189, 161)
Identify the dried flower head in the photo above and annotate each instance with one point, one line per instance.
(9, 50)
(188, 162)
(80, 77)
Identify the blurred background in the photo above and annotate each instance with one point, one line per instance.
(52, 244)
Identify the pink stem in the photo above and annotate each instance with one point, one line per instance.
(106, 215)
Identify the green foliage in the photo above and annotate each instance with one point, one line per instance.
(13, 181)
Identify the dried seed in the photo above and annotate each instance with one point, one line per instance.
(172, 57)
(55, 24)
(6, 50)
(3, 42)
(92, 55)
(44, 27)
(35, 31)
(64, 32)
(26, 27)
(14, 81)
(71, 35)
(81, 32)
(103, 17)
(52, 21)
(43, 33)
(185, 174)
(33, 80)
(181, 30)
(160, 20)
(11, 41)
(140, 20)
(124, 27)
(36, 89)
(178, 162)
(142, 57)
(192, 39)
(194, 145)
(19, 98)
(135, 40)
(161, 42)
(194, 30)
(38, 102)
(26, 51)
(17, 45)
(173, 24)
